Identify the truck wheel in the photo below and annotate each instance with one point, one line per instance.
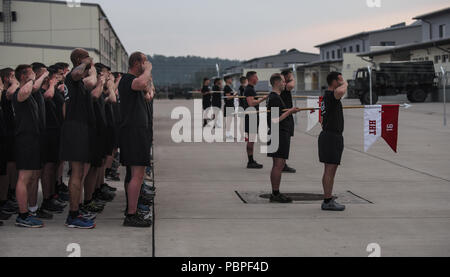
(365, 98)
(417, 96)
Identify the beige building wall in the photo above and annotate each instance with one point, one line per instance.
(351, 63)
(48, 26)
(11, 56)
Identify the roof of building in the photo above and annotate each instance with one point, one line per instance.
(405, 47)
(82, 4)
(435, 13)
(361, 34)
(286, 53)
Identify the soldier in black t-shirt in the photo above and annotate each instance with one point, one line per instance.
(285, 129)
(27, 148)
(216, 101)
(135, 141)
(331, 141)
(77, 129)
(229, 104)
(95, 177)
(251, 126)
(8, 183)
(286, 95)
(206, 99)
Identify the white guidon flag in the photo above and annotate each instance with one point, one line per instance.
(372, 125)
(313, 117)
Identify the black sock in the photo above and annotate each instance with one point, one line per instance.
(327, 200)
(250, 159)
(23, 215)
(74, 214)
(107, 171)
(276, 192)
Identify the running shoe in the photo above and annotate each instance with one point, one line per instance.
(280, 198)
(288, 169)
(91, 207)
(29, 222)
(145, 199)
(51, 207)
(112, 176)
(332, 206)
(87, 215)
(79, 223)
(104, 196)
(4, 216)
(137, 221)
(41, 214)
(9, 208)
(107, 187)
(254, 165)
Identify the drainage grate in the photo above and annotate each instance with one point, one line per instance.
(347, 197)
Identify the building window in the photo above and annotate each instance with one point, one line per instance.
(339, 53)
(345, 49)
(444, 58)
(437, 59)
(333, 54)
(441, 31)
(328, 55)
(1, 16)
(358, 49)
(14, 16)
(350, 49)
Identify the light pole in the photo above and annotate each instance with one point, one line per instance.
(370, 84)
(444, 82)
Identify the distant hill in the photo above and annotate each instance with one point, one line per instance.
(185, 71)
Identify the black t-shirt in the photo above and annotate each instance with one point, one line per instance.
(2, 124)
(286, 95)
(26, 115)
(250, 91)
(39, 98)
(206, 97)
(8, 114)
(216, 99)
(79, 102)
(332, 113)
(285, 125)
(228, 91)
(133, 107)
(242, 101)
(53, 110)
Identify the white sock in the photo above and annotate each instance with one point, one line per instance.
(33, 209)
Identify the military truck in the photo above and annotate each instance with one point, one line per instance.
(415, 79)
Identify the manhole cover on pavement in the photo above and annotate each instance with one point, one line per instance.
(347, 197)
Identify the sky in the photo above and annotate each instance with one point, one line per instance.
(244, 29)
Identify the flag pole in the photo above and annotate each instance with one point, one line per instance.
(406, 106)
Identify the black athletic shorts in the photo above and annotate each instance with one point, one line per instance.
(3, 158)
(284, 146)
(331, 147)
(28, 152)
(75, 142)
(135, 144)
(98, 146)
(9, 152)
(50, 144)
(111, 140)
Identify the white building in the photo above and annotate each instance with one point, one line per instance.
(48, 31)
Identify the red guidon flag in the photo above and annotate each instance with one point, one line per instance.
(381, 121)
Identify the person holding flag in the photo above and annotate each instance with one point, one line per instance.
(331, 141)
